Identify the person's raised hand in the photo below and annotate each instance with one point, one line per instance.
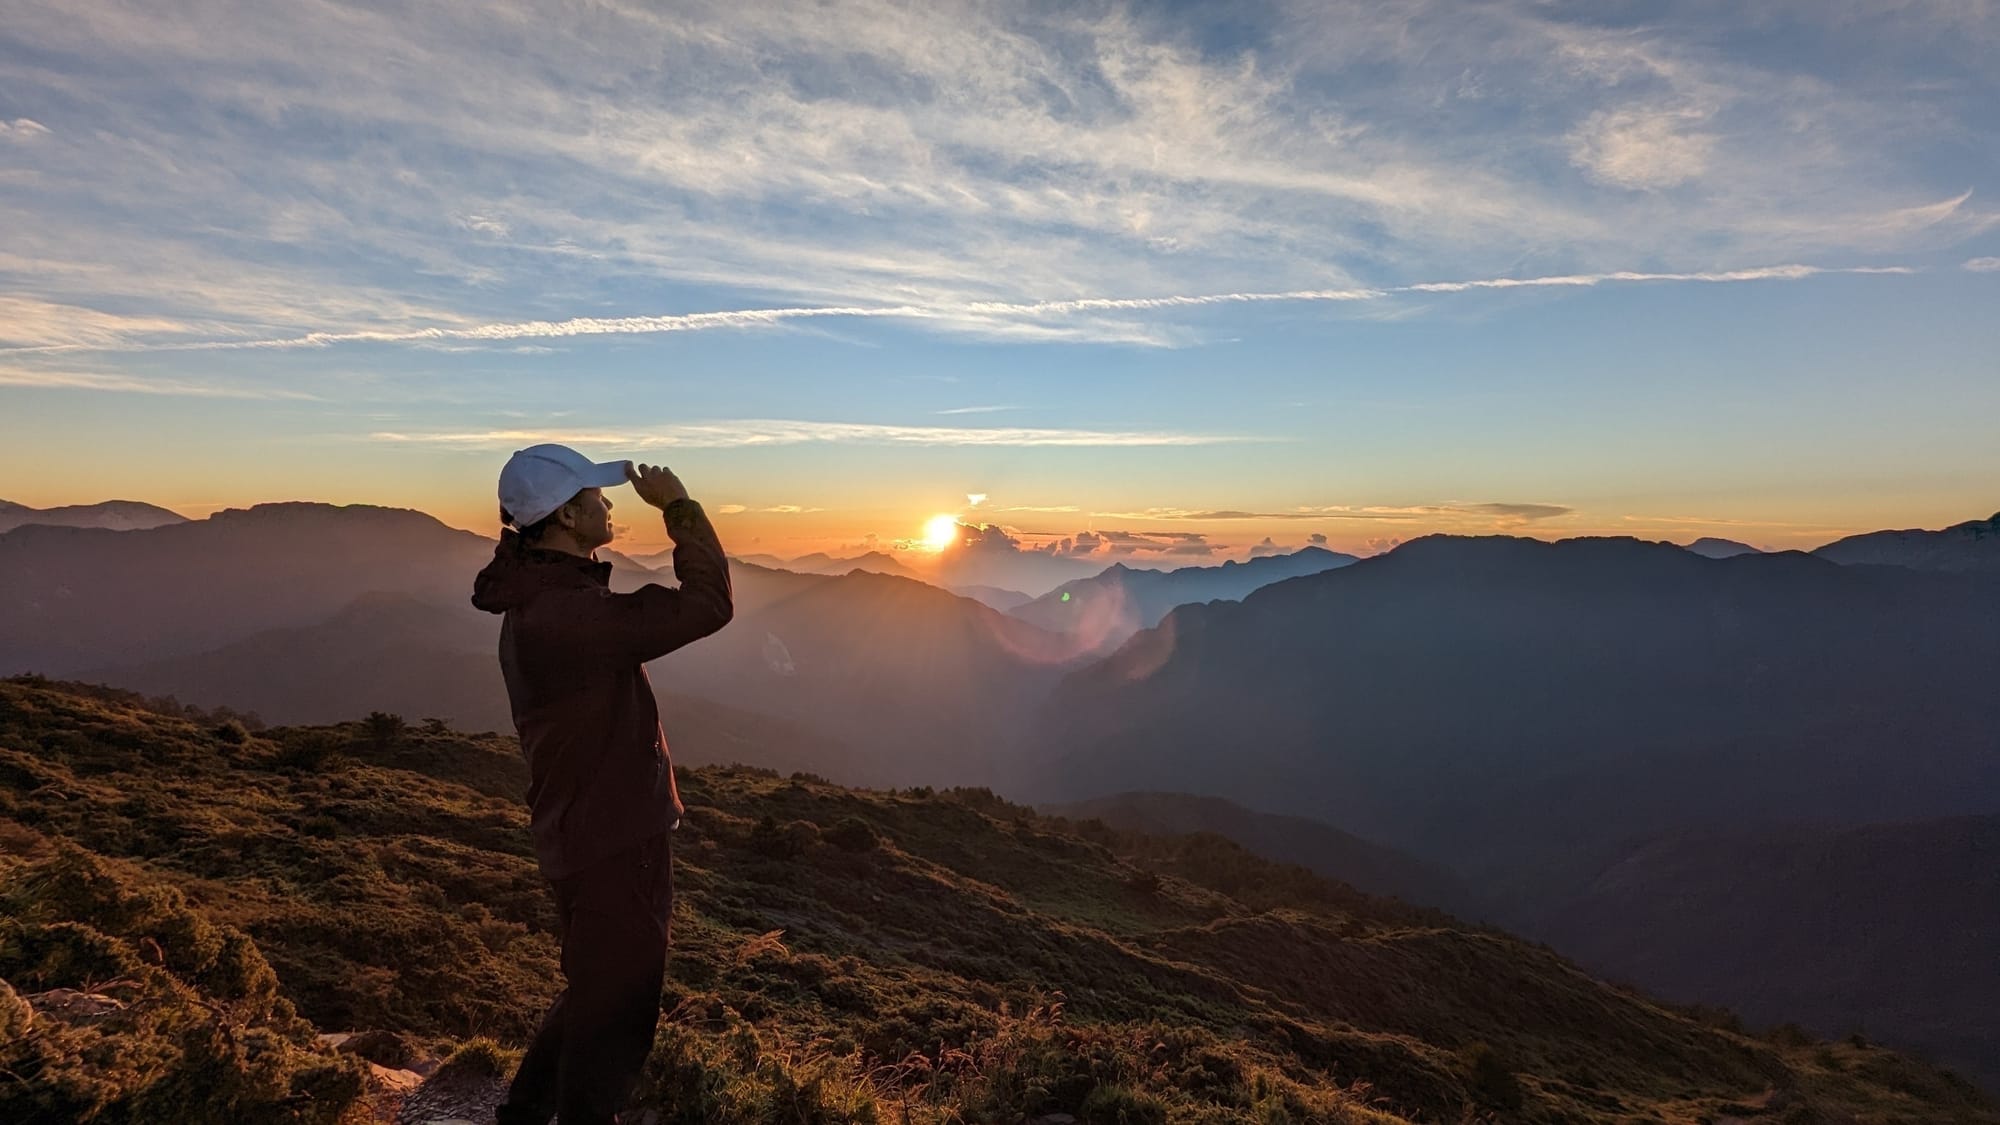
(656, 484)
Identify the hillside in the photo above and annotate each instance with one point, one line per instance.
(840, 956)
(1889, 929)
(1320, 848)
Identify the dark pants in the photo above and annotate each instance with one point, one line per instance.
(588, 1052)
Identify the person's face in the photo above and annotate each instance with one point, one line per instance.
(591, 513)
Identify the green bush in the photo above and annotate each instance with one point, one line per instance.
(853, 834)
(783, 841)
(185, 1024)
(1493, 1082)
(480, 1058)
(1116, 1105)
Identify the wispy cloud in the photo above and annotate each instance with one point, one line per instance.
(1642, 149)
(1982, 265)
(40, 379)
(22, 129)
(1720, 521)
(775, 509)
(975, 410)
(1500, 512)
(468, 169)
(750, 433)
(983, 311)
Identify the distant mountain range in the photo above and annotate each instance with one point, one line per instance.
(84, 597)
(1972, 547)
(1490, 702)
(1711, 547)
(112, 515)
(1537, 722)
(309, 612)
(875, 562)
(927, 686)
(1532, 716)
(397, 654)
(993, 596)
(1106, 609)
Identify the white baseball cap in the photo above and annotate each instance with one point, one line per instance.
(541, 478)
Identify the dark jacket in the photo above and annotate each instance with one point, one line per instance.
(572, 652)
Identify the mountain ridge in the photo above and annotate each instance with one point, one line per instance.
(1107, 608)
(1972, 547)
(110, 515)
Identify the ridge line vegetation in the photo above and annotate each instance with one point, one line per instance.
(840, 955)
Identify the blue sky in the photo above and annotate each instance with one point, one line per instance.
(1186, 270)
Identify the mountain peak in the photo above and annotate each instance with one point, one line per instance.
(1712, 547)
(108, 515)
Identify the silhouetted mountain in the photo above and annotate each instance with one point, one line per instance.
(1972, 547)
(111, 515)
(999, 563)
(1891, 930)
(993, 597)
(875, 562)
(382, 652)
(396, 654)
(306, 612)
(1710, 547)
(1104, 610)
(227, 887)
(84, 597)
(929, 686)
(1498, 704)
(1525, 712)
(1317, 847)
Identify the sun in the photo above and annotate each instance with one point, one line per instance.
(940, 532)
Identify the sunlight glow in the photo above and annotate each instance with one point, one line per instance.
(940, 532)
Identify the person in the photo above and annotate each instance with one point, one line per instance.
(601, 794)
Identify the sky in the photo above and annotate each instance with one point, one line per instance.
(1157, 282)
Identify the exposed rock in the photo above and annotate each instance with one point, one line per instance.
(452, 1097)
(400, 1081)
(71, 1006)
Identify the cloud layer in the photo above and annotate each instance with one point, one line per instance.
(229, 173)
(776, 432)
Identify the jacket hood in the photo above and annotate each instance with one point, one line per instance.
(518, 572)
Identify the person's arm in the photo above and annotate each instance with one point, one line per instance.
(655, 620)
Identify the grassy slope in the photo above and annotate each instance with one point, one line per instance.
(942, 956)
